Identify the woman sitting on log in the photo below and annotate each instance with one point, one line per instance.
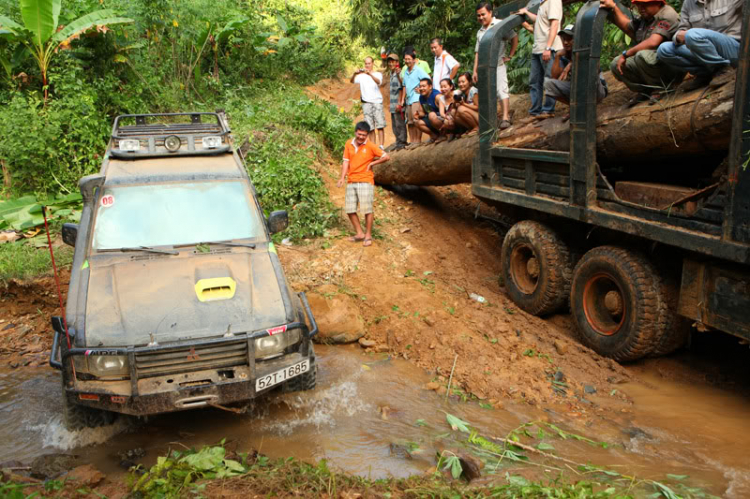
(448, 111)
(467, 104)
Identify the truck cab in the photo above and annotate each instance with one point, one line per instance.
(637, 261)
(177, 298)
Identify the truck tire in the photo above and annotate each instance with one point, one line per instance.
(676, 328)
(304, 382)
(77, 417)
(537, 268)
(619, 303)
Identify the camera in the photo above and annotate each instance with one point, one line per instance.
(458, 96)
(361, 70)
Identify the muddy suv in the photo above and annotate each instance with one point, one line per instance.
(177, 299)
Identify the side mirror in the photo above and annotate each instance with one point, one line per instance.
(278, 221)
(69, 234)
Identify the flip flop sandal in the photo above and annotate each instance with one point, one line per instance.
(355, 239)
(367, 242)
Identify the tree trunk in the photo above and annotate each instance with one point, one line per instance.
(678, 126)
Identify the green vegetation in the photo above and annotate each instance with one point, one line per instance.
(395, 24)
(22, 261)
(60, 90)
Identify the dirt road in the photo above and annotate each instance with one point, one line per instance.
(415, 289)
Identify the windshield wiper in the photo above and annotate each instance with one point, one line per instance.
(231, 243)
(147, 249)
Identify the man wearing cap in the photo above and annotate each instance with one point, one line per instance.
(638, 67)
(487, 21)
(396, 108)
(558, 86)
(707, 40)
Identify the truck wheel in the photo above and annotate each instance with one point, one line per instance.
(619, 303)
(78, 417)
(536, 268)
(676, 328)
(304, 382)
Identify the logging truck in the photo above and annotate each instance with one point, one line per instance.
(640, 250)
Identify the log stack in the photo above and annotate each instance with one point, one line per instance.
(680, 125)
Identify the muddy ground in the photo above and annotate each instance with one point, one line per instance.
(412, 290)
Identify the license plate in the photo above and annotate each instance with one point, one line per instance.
(290, 372)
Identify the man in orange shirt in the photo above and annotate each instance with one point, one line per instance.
(359, 157)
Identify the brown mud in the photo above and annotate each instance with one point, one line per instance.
(413, 289)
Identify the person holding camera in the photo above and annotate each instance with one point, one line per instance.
(397, 109)
(467, 103)
(372, 100)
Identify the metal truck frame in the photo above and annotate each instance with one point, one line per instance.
(711, 245)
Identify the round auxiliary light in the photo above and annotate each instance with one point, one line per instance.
(172, 143)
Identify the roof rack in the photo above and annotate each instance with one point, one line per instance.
(137, 136)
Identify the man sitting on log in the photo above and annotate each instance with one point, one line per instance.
(428, 115)
(638, 67)
(707, 41)
(558, 87)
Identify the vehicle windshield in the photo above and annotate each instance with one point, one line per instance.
(175, 214)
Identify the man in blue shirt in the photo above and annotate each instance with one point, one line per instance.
(412, 75)
(429, 111)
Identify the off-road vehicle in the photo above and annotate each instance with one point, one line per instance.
(177, 298)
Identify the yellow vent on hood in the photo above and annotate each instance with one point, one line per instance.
(216, 288)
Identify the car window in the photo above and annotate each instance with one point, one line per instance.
(172, 214)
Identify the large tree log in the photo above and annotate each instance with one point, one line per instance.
(677, 126)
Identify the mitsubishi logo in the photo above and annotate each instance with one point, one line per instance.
(192, 355)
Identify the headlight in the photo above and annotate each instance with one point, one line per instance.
(211, 142)
(108, 365)
(272, 346)
(172, 143)
(129, 145)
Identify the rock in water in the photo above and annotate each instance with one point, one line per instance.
(337, 317)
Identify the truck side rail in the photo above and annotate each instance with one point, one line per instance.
(737, 212)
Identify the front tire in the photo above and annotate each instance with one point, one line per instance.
(619, 303)
(536, 268)
(307, 381)
(77, 417)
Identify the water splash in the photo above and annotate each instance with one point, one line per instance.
(54, 434)
(320, 408)
(738, 481)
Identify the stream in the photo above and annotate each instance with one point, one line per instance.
(371, 416)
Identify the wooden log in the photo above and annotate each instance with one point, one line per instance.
(678, 126)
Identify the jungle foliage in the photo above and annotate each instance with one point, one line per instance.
(394, 24)
(82, 62)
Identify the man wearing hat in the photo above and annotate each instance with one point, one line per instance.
(638, 67)
(558, 86)
(397, 110)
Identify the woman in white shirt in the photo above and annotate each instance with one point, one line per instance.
(467, 108)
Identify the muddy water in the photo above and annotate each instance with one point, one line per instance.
(362, 419)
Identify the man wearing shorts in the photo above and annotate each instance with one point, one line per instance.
(372, 100)
(487, 21)
(360, 155)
